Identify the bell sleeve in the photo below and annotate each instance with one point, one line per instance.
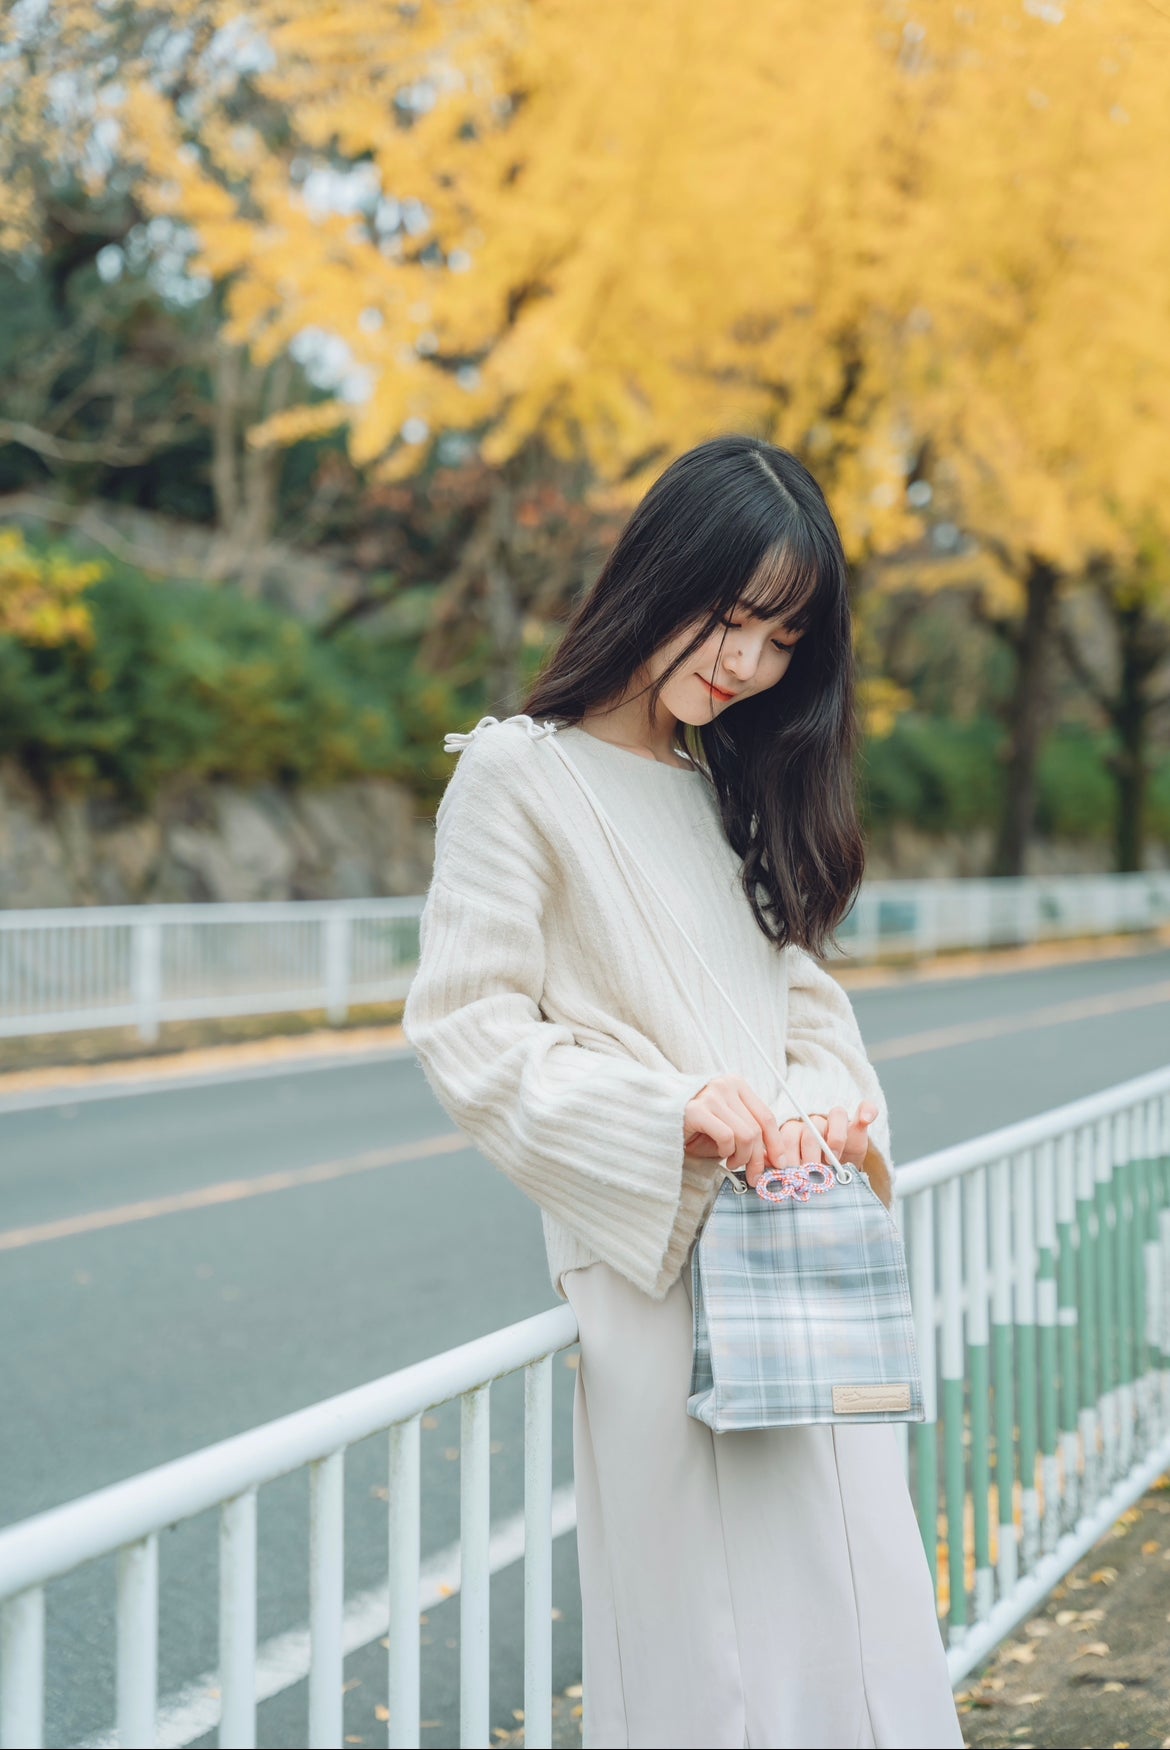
(595, 1139)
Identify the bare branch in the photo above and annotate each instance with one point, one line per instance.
(1071, 651)
(116, 455)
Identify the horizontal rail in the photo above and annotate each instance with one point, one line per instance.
(55, 1542)
(98, 967)
(1026, 1133)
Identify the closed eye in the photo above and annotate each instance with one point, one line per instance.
(734, 625)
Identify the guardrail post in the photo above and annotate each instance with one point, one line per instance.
(22, 1667)
(1023, 1187)
(403, 1728)
(1068, 1326)
(475, 1578)
(237, 1622)
(538, 1554)
(137, 1680)
(337, 944)
(326, 1598)
(146, 976)
(1002, 1330)
(921, 1233)
(979, 1372)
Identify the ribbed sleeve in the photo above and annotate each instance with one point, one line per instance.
(595, 1139)
(827, 1062)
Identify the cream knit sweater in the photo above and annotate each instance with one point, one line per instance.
(552, 1030)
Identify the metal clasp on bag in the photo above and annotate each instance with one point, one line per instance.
(737, 1178)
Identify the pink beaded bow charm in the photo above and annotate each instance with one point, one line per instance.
(797, 1184)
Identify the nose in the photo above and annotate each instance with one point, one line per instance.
(741, 661)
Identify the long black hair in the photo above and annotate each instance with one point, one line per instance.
(739, 522)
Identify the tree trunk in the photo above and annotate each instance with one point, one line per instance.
(503, 610)
(1025, 718)
(1131, 721)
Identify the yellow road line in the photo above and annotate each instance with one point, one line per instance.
(230, 1191)
(996, 1026)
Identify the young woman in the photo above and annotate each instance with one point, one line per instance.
(755, 1588)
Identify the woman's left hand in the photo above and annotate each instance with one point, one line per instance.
(848, 1138)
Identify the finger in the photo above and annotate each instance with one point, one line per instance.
(746, 1132)
(758, 1165)
(790, 1142)
(837, 1129)
(857, 1142)
(713, 1122)
(767, 1121)
(810, 1146)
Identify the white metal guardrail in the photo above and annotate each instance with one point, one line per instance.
(1040, 1264)
(924, 917)
(1040, 1269)
(128, 1517)
(139, 966)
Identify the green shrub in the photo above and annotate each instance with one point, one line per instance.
(202, 683)
(939, 775)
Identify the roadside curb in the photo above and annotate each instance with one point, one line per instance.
(27, 1090)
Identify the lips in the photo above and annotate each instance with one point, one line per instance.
(716, 692)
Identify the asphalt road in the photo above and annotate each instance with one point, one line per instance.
(133, 1342)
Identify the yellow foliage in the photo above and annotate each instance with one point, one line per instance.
(871, 231)
(40, 594)
(882, 702)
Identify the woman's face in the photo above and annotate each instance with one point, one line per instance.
(743, 655)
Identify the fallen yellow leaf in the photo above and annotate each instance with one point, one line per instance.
(517, 1713)
(1113, 1689)
(574, 1691)
(577, 1711)
(1064, 1617)
(1019, 1653)
(1093, 1650)
(382, 1712)
(1103, 1577)
(1151, 1547)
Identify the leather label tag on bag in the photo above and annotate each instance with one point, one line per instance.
(858, 1400)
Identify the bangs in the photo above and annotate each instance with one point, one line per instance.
(786, 585)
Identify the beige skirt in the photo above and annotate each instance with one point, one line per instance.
(748, 1589)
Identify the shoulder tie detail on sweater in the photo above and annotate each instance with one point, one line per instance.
(454, 743)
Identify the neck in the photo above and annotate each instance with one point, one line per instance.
(627, 724)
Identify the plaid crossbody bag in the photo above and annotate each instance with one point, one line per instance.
(801, 1299)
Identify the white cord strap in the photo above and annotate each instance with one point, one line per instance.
(626, 859)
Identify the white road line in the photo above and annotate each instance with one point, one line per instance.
(284, 1660)
(16, 1239)
(996, 1026)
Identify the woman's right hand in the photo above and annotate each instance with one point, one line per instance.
(727, 1120)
